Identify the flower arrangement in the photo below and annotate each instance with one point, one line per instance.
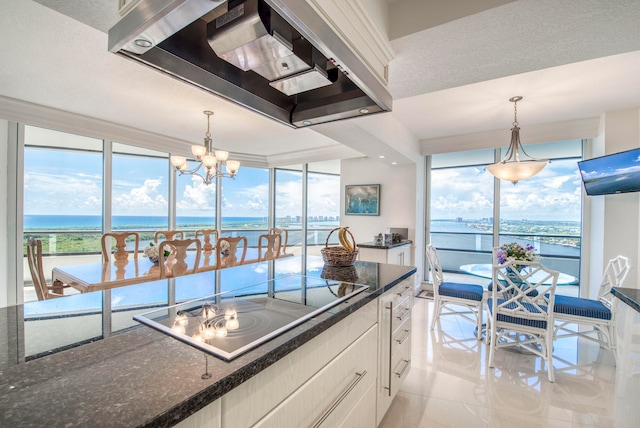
(515, 251)
(153, 253)
(224, 247)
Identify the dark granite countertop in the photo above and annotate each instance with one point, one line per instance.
(630, 296)
(385, 246)
(145, 378)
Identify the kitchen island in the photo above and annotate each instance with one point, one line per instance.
(142, 377)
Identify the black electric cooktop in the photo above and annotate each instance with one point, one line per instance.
(227, 325)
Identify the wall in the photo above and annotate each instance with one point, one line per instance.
(4, 244)
(622, 212)
(397, 197)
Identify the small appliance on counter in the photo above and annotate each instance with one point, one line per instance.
(378, 239)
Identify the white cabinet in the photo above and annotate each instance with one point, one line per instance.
(345, 377)
(334, 393)
(394, 352)
(209, 417)
(248, 403)
(399, 255)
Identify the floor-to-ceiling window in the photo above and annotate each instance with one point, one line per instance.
(544, 210)
(288, 205)
(462, 206)
(62, 205)
(323, 204)
(62, 197)
(140, 191)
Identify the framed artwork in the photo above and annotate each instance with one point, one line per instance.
(362, 199)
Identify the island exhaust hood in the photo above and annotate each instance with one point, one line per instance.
(280, 60)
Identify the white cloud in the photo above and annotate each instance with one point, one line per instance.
(143, 198)
(47, 193)
(197, 196)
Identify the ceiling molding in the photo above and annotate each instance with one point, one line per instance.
(529, 134)
(64, 121)
(313, 155)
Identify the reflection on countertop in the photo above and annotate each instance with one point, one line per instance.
(130, 377)
(385, 246)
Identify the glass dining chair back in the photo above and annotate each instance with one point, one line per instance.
(269, 246)
(176, 263)
(120, 254)
(521, 310)
(43, 290)
(227, 249)
(454, 298)
(209, 238)
(167, 235)
(284, 239)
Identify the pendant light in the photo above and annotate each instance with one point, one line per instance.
(516, 165)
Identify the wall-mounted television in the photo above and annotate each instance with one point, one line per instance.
(615, 173)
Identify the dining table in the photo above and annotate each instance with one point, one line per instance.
(89, 277)
(485, 270)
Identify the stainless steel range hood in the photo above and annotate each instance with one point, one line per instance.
(278, 58)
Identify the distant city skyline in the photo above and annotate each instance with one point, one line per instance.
(467, 192)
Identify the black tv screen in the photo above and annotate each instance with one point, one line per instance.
(616, 173)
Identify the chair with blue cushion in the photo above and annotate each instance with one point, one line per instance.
(519, 317)
(599, 314)
(449, 295)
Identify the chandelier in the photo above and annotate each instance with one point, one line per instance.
(516, 164)
(210, 160)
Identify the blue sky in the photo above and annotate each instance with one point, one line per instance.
(553, 194)
(66, 182)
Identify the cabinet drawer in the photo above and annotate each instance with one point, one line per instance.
(330, 396)
(400, 313)
(246, 404)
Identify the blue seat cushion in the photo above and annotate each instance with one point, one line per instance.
(532, 293)
(517, 320)
(461, 290)
(581, 307)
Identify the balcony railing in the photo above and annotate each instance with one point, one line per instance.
(560, 252)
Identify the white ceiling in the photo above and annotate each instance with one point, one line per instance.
(570, 59)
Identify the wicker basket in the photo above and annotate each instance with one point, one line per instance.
(339, 256)
(340, 273)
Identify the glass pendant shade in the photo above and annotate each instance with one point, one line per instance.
(516, 171)
(516, 165)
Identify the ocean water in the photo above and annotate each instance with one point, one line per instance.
(70, 222)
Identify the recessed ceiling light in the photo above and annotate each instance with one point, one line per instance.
(364, 110)
(306, 122)
(143, 43)
(381, 156)
(394, 163)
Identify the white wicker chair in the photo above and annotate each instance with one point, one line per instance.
(448, 294)
(598, 314)
(520, 317)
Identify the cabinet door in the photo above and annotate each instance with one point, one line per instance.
(245, 405)
(394, 353)
(209, 417)
(330, 397)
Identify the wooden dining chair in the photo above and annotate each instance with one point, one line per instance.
(518, 317)
(121, 253)
(597, 314)
(231, 257)
(271, 248)
(461, 299)
(44, 291)
(206, 235)
(284, 238)
(167, 234)
(178, 249)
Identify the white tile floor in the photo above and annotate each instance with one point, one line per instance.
(451, 385)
